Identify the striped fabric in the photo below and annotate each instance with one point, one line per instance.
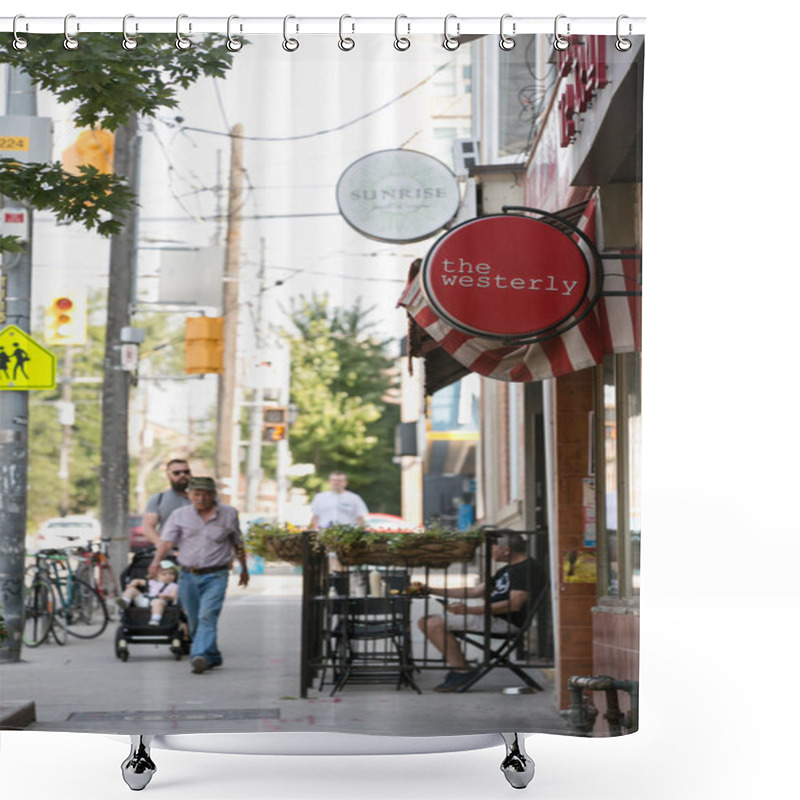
(612, 326)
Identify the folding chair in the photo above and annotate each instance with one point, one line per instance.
(500, 655)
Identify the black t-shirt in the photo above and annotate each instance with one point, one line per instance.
(524, 576)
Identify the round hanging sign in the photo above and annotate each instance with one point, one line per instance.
(506, 277)
(398, 195)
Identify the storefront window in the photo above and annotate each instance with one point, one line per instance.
(619, 544)
(634, 447)
(609, 431)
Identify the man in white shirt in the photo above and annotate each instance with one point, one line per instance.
(337, 506)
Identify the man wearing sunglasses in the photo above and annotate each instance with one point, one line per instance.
(161, 505)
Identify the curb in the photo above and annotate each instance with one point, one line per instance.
(14, 717)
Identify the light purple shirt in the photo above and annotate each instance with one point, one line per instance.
(204, 543)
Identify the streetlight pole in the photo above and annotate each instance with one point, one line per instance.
(14, 418)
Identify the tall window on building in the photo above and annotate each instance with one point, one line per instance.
(619, 501)
(515, 442)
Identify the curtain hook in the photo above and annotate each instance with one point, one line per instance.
(290, 44)
(623, 44)
(449, 42)
(507, 42)
(128, 42)
(345, 42)
(233, 44)
(401, 42)
(181, 41)
(559, 42)
(19, 43)
(70, 42)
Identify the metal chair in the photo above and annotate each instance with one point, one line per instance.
(368, 641)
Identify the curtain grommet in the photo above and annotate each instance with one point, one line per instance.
(289, 44)
(401, 43)
(18, 43)
(449, 42)
(70, 42)
(233, 44)
(560, 43)
(128, 42)
(346, 43)
(507, 42)
(623, 45)
(182, 42)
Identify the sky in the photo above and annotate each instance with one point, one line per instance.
(314, 118)
(719, 602)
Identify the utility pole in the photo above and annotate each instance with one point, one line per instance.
(67, 420)
(257, 409)
(114, 466)
(14, 418)
(227, 417)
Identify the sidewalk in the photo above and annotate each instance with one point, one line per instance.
(82, 686)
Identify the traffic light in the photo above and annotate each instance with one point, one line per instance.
(275, 433)
(92, 148)
(203, 345)
(65, 319)
(275, 427)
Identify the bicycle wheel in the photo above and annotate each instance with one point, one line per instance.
(59, 627)
(86, 615)
(38, 611)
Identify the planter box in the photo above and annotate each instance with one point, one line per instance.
(413, 554)
(284, 548)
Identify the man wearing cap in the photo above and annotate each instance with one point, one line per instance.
(208, 538)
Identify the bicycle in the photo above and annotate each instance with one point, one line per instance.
(39, 606)
(77, 608)
(94, 568)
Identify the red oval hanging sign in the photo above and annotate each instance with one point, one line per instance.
(506, 276)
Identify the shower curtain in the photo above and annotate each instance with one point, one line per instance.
(383, 295)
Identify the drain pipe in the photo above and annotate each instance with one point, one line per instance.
(582, 712)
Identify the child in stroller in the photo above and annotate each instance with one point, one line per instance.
(153, 594)
(148, 619)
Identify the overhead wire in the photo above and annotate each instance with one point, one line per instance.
(333, 129)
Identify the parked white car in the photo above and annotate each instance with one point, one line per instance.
(387, 522)
(69, 531)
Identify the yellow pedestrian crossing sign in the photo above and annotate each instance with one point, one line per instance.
(24, 363)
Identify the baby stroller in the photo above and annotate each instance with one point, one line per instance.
(134, 627)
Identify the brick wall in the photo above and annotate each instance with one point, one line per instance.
(574, 401)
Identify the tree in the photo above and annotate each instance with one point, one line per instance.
(105, 86)
(104, 89)
(162, 351)
(112, 90)
(342, 382)
(90, 199)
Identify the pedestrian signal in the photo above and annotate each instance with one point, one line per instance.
(275, 433)
(65, 319)
(203, 353)
(275, 415)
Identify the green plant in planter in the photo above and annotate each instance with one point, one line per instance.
(341, 537)
(260, 534)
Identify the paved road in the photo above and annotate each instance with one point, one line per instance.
(84, 687)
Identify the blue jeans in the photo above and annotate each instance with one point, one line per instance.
(201, 597)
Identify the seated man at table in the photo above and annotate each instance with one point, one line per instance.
(513, 586)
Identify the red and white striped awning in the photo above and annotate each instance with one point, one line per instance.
(612, 326)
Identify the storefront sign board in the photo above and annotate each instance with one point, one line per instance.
(506, 277)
